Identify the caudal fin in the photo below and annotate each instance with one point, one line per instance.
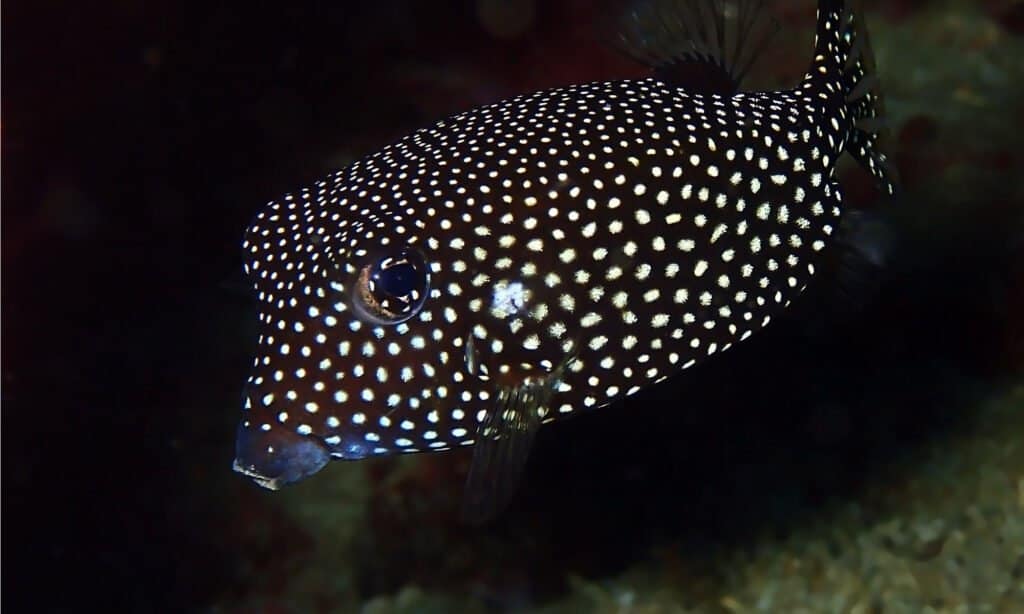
(843, 48)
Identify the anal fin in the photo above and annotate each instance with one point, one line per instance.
(853, 272)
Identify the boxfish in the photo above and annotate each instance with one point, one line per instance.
(532, 259)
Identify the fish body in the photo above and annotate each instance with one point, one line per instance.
(544, 255)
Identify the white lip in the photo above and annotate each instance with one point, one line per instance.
(259, 478)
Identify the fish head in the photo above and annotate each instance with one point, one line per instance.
(335, 356)
(360, 351)
(386, 328)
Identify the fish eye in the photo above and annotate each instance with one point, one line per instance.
(392, 288)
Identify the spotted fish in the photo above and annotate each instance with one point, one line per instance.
(552, 253)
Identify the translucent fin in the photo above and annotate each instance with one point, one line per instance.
(706, 46)
(865, 244)
(854, 271)
(503, 444)
(501, 450)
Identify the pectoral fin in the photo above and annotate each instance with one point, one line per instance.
(503, 444)
(501, 450)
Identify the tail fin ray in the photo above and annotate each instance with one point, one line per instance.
(843, 47)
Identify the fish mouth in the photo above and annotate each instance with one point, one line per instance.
(277, 457)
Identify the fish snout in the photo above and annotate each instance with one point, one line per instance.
(274, 457)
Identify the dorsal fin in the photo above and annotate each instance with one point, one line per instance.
(706, 46)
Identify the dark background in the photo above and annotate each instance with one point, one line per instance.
(140, 138)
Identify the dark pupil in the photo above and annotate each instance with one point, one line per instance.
(397, 280)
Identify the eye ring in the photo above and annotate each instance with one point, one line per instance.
(392, 287)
